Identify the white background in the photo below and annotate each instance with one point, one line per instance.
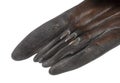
(17, 19)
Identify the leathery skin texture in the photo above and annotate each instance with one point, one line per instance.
(74, 38)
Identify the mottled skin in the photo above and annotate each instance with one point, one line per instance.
(74, 38)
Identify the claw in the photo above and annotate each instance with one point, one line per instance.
(61, 44)
(67, 32)
(73, 35)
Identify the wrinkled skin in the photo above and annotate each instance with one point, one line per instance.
(74, 38)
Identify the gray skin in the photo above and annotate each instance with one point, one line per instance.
(74, 38)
